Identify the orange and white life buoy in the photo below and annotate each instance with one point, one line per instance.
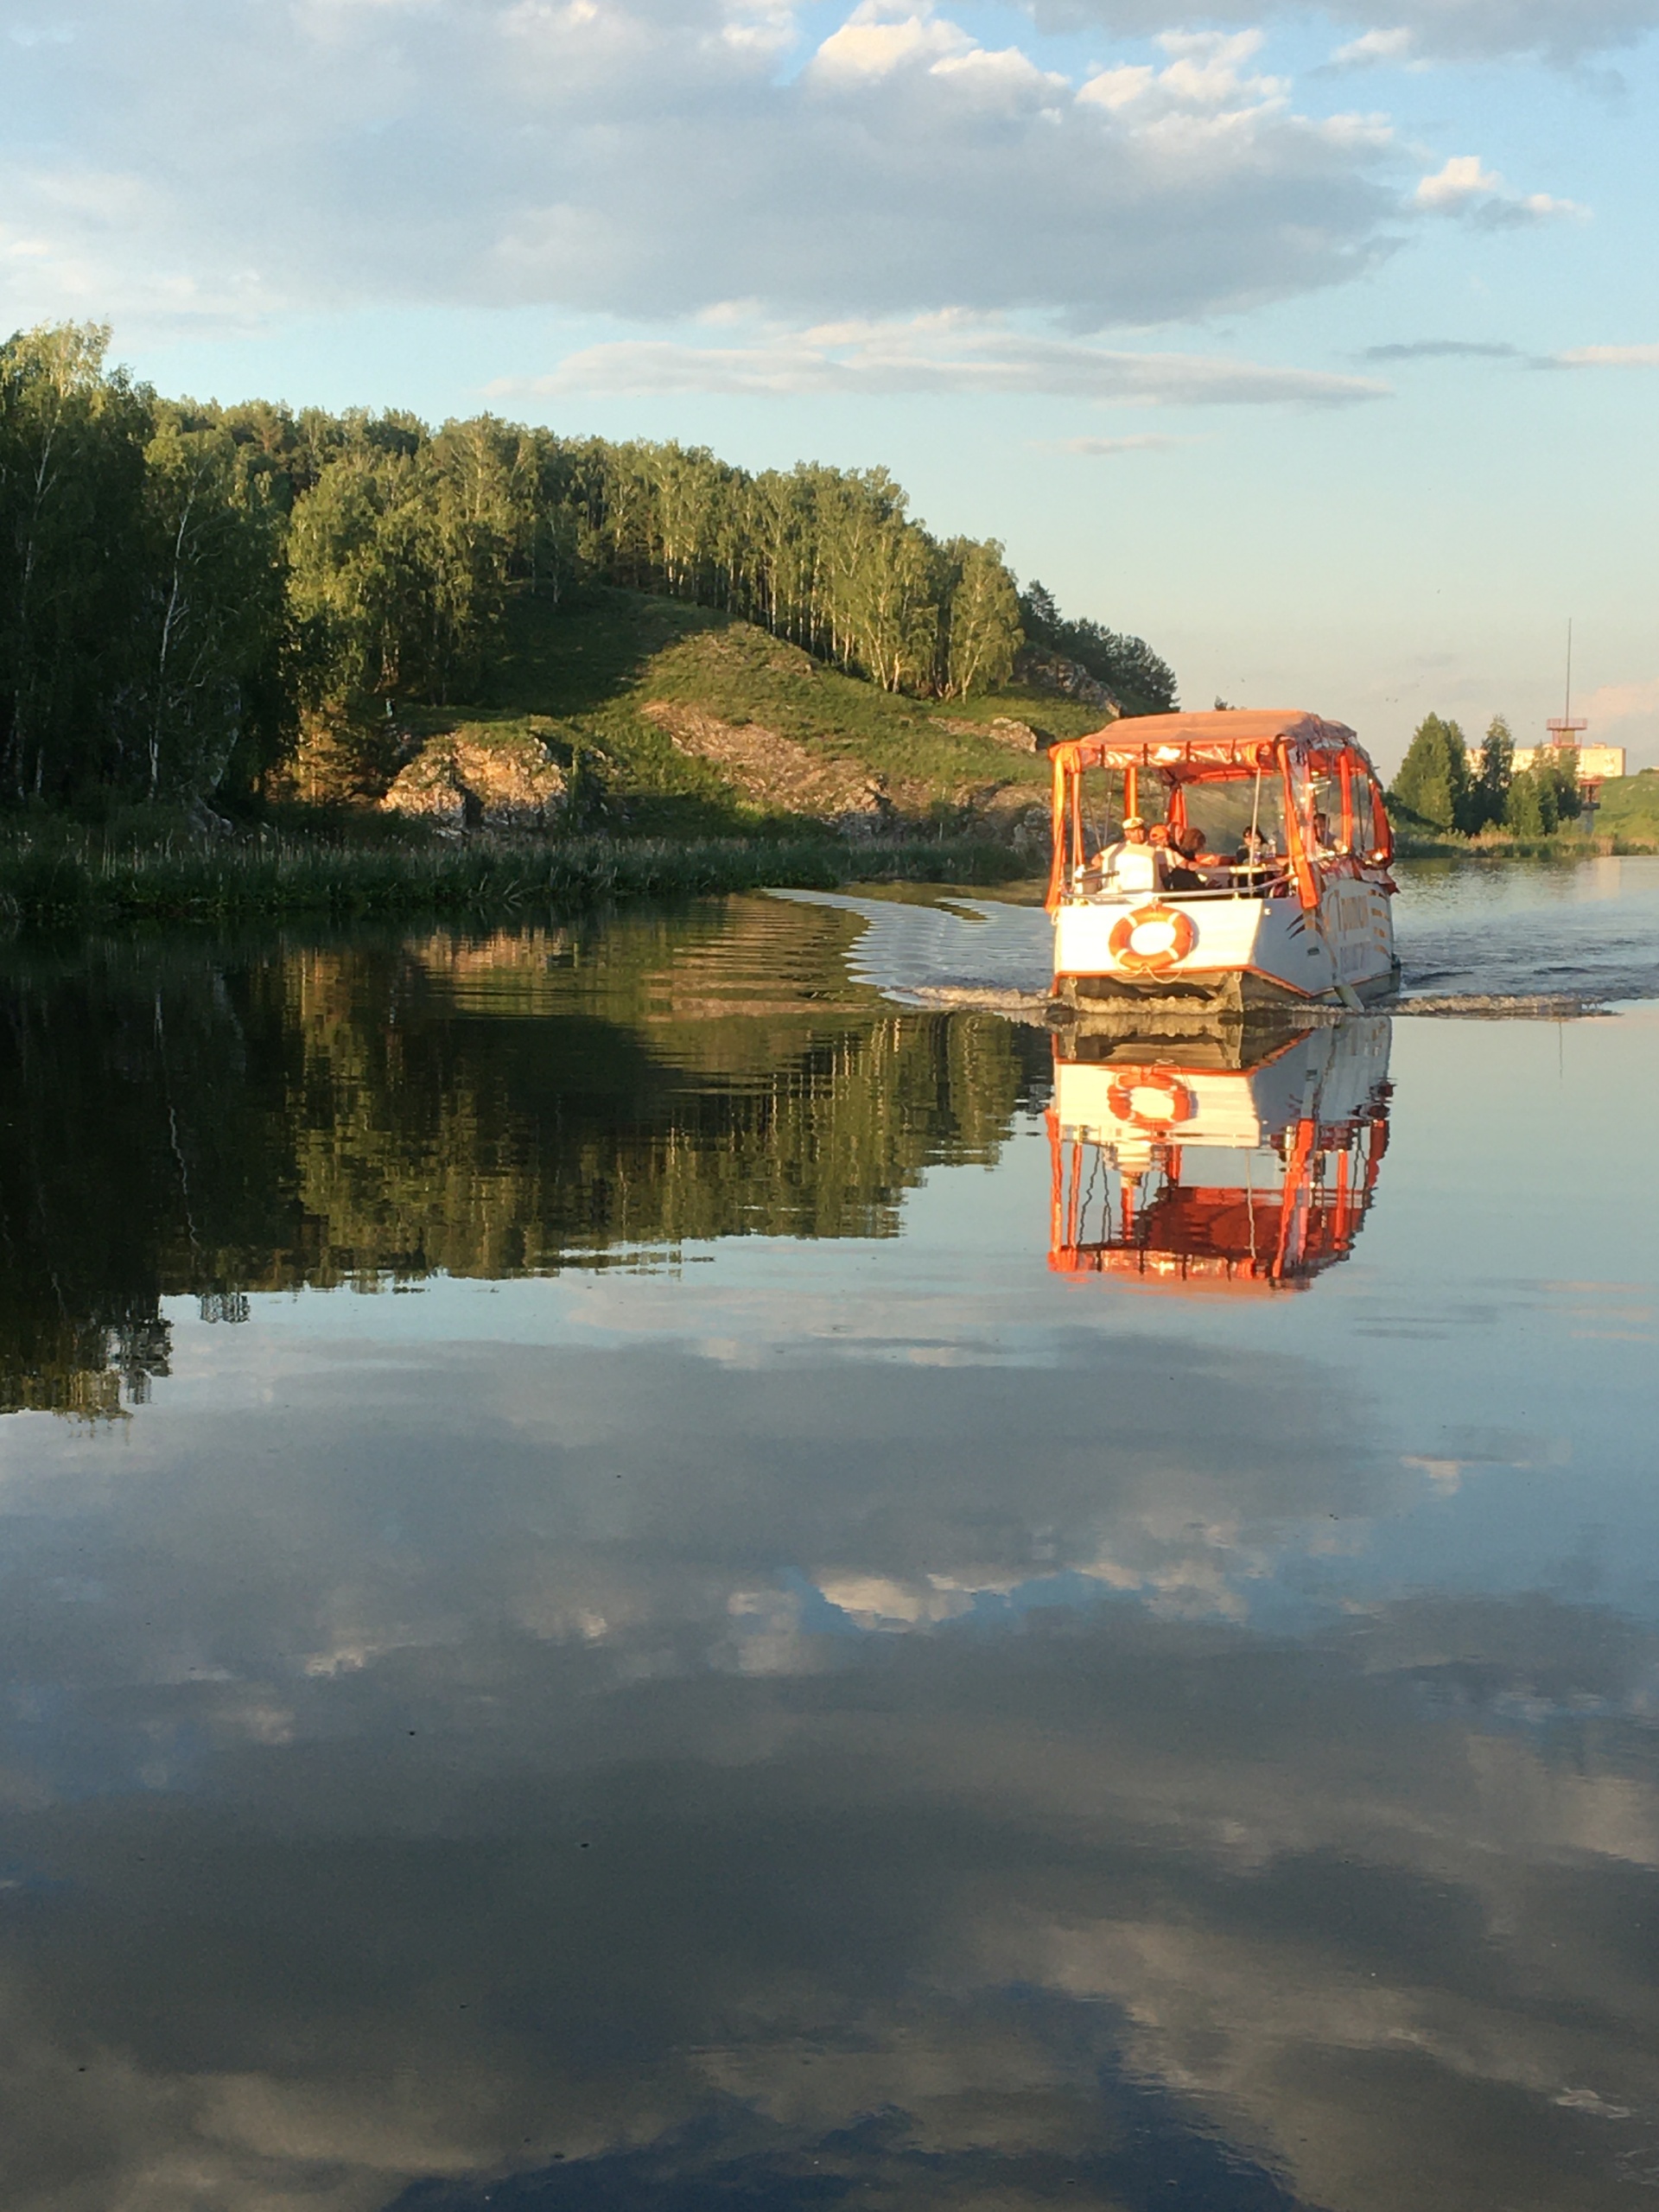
(1123, 1099)
(1153, 939)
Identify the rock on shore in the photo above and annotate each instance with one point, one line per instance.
(480, 779)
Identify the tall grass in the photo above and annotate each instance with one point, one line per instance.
(65, 878)
(1503, 844)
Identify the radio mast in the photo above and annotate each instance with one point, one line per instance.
(1564, 732)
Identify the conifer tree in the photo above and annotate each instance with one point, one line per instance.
(1489, 790)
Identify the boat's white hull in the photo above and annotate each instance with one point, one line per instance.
(1243, 953)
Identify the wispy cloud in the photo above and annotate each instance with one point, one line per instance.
(940, 354)
(1622, 702)
(1463, 186)
(1145, 442)
(1442, 349)
(1394, 49)
(1575, 357)
(1607, 357)
(1560, 31)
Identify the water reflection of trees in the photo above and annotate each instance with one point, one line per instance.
(213, 1122)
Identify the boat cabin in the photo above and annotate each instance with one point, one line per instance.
(1239, 858)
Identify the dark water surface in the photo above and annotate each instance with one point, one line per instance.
(587, 1623)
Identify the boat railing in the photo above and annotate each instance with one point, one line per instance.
(1241, 882)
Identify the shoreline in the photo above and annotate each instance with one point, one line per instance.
(1499, 845)
(56, 877)
(54, 880)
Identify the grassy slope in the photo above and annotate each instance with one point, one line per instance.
(1629, 807)
(580, 673)
(577, 676)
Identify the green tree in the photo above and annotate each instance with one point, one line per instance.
(1141, 683)
(71, 481)
(985, 631)
(1557, 771)
(1489, 790)
(1529, 810)
(212, 615)
(178, 581)
(1433, 784)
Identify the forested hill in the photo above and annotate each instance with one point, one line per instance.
(183, 586)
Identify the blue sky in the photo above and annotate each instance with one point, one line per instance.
(1318, 347)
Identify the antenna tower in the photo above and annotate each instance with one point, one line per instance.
(1563, 730)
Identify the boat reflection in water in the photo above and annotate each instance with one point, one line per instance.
(1233, 1160)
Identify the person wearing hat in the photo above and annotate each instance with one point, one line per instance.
(1131, 864)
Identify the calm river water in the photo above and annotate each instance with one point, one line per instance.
(632, 1580)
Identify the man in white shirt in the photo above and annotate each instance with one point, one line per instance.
(1131, 864)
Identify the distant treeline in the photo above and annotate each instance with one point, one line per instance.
(179, 584)
(1444, 785)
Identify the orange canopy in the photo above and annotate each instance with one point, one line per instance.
(1231, 743)
(1239, 737)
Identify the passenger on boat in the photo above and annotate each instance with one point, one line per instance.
(1133, 863)
(1255, 862)
(1184, 846)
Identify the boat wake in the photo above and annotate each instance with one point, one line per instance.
(958, 952)
(1499, 1006)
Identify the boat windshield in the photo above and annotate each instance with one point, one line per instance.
(1220, 810)
(1221, 813)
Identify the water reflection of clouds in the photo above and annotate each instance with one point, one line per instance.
(1036, 1898)
(1032, 1901)
(868, 1718)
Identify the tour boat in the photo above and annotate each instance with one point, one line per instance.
(1234, 862)
(1241, 1167)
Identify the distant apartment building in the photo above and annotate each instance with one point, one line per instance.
(1597, 764)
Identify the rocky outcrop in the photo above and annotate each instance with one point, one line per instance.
(1048, 671)
(773, 772)
(1001, 729)
(480, 779)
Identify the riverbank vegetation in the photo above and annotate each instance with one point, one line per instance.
(65, 876)
(195, 596)
(1450, 798)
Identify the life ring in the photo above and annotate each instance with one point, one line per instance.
(1120, 1099)
(1154, 959)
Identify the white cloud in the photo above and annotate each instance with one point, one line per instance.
(649, 158)
(1464, 185)
(1557, 30)
(940, 354)
(1205, 77)
(873, 42)
(1462, 180)
(1377, 50)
